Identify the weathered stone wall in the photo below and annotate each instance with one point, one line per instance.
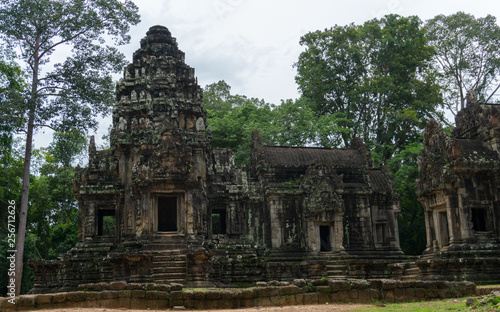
(299, 292)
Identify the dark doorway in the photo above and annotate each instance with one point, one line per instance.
(218, 221)
(106, 222)
(479, 219)
(167, 214)
(324, 236)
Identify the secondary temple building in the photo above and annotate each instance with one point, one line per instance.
(459, 187)
(162, 205)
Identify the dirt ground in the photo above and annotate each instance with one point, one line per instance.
(301, 308)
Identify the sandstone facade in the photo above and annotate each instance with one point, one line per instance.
(458, 186)
(161, 205)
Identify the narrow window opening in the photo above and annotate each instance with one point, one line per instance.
(381, 237)
(167, 214)
(106, 222)
(219, 221)
(324, 236)
(443, 228)
(479, 219)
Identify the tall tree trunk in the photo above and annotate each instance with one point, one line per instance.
(23, 213)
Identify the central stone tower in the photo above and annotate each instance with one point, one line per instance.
(159, 141)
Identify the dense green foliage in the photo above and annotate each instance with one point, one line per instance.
(468, 56)
(373, 81)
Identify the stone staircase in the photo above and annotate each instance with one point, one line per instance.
(169, 263)
(337, 270)
(411, 272)
(169, 267)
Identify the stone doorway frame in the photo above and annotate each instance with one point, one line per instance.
(180, 210)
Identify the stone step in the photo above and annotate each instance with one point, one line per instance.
(161, 270)
(169, 276)
(175, 264)
(412, 271)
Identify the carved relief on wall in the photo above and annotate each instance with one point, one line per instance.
(322, 187)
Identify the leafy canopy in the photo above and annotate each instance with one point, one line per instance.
(373, 81)
(468, 56)
(68, 93)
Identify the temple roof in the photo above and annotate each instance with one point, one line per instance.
(305, 156)
(379, 181)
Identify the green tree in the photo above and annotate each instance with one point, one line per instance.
(232, 118)
(64, 96)
(468, 56)
(372, 81)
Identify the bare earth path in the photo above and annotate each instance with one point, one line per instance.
(301, 308)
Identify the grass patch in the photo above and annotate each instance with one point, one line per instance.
(427, 306)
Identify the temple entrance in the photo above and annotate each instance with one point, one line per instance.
(324, 236)
(167, 214)
(219, 221)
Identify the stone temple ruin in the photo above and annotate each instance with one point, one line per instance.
(161, 205)
(459, 187)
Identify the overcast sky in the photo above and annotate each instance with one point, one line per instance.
(253, 44)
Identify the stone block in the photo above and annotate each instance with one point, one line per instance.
(324, 298)
(152, 295)
(227, 295)
(365, 295)
(164, 287)
(139, 303)
(193, 304)
(125, 294)
(310, 298)
(399, 293)
(176, 295)
(262, 302)
(188, 295)
(211, 304)
(290, 300)
(59, 298)
(246, 303)
(176, 302)
(109, 294)
(26, 301)
(43, 299)
(176, 287)
(139, 294)
(299, 282)
(75, 296)
(275, 301)
(212, 295)
(299, 299)
(93, 295)
(375, 294)
(247, 294)
(359, 284)
(389, 284)
(339, 285)
(118, 285)
(323, 289)
(353, 294)
(134, 286)
(289, 290)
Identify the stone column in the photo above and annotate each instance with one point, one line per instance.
(275, 213)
